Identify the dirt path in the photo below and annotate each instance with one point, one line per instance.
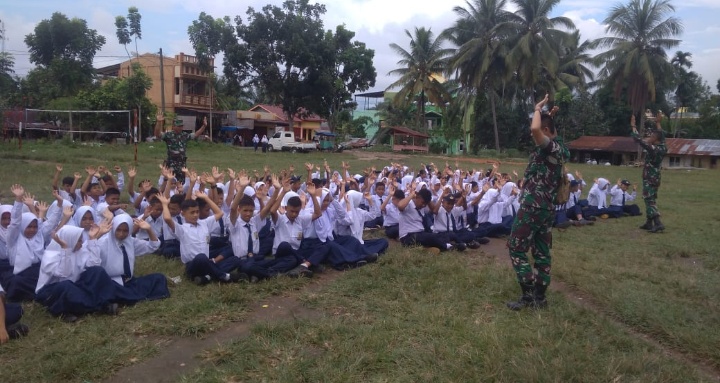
(180, 356)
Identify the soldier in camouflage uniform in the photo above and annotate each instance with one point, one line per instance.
(533, 223)
(654, 147)
(176, 141)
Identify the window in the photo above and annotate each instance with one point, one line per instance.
(674, 161)
(276, 135)
(177, 85)
(288, 135)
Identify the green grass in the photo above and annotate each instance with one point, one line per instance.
(412, 317)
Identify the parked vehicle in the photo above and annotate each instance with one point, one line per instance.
(356, 143)
(286, 142)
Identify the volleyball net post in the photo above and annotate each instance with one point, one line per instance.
(78, 122)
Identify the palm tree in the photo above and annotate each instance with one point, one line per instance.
(532, 55)
(574, 62)
(682, 59)
(479, 61)
(419, 70)
(636, 56)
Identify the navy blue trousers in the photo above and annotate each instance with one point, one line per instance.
(201, 266)
(13, 314)
(21, 287)
(313, 250)
(392, 231)
(220, 246)
(285, 260)
(375, 222)
(146, 288)
(425, 239)
(170, 248)
(266, 235)
(90, 293)
(346, 249)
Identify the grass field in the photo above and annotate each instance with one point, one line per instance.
(411, 317)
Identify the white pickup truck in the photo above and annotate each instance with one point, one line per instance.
(286, 142)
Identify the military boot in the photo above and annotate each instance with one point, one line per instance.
(527, 299)
(540, 301)
(648, 224)
(658, 225)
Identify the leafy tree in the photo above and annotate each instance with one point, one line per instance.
(129, 27)
(636, 57)
(574, 62)
(281, 48)
(65, 47)
(208, 37)
(419, 71)
(349, 70)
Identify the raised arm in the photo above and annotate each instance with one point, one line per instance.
(239, 187)
(536, 127)
(166, 212)
(213, 206)
(201, 130)
(56, 178)
(159, 124)
(268, 206)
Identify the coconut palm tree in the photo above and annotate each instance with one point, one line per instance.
(574, 63)
(636, 57)
(479, 60)
(420, 69)
(532, 55)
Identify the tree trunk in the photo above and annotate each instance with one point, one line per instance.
(495, 126)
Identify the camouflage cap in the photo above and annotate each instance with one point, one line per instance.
(178, 122)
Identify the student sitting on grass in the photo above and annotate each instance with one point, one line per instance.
(26, 244)
(415, 228)
(118, 251)
(72, 282)
(289, 229)
(245, 228)
(391, 215)
(10, 315)
(355, 223)
(84, 217)
(170, 246)
(5, 266)
(619, 197)
(597, 199)
(193, 237)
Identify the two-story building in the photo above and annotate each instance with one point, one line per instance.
(186, 87)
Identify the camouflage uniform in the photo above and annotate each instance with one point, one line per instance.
(651, 173)
(533, 223)
(176, 146)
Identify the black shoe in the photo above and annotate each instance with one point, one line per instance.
(254, 279)
(69, 318)
(360, 263)
(237, 276)
(371, 258)
(591, 218)
(525, 300)
(648, 225)
(473, 245)
(483, 240)
(563, 225)
(111, 309)
(200, 280)
(459, 246)
(658, 227)
(319, 269)
(300, 271)
(18, 330)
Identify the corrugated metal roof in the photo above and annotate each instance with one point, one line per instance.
(698, 147)
(408, 131)
(676, 146)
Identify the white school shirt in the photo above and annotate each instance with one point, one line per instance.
(375, 209)
(392, 214)
(24, 252)
(169, 234)
(108, 248)
(194, 239)
(444, 218)
(487, 201)
(471, 198)
(216, 230)
(598, 197)
(410, 220)
(291, 232)
(157, 226)
(573, 199)
(239, 235)
(616, 196)
(3, 232)
(65, 265)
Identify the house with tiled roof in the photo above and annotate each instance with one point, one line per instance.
(303, 126)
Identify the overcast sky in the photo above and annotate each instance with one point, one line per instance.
(376, 22)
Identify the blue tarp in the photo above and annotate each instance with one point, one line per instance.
(324, 133)
(228, 128)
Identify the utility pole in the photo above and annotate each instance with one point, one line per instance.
(162, 84)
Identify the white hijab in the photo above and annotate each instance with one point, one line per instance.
(3, 231)
(110, 252)
(56, 265)
(27, 251)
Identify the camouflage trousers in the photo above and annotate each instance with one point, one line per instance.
(177, 164)
(650, 192)
(532, 228)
